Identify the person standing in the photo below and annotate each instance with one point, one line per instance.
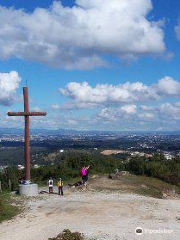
(87, 173)
(84, 174)
(60, 187)
(50, 183)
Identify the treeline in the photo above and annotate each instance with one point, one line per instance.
(68, 167)
(157, 167)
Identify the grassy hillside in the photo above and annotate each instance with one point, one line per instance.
(141, 185)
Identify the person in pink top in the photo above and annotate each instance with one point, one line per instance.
(84, 174)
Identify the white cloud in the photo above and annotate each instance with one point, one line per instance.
(129, 109)
(78, 37)
(168, 86)
(106, 93)
(164, 115)
(84, 94)
(177, 30)
(117, 114)
(107, 114)
(163, 111)
(169, 111)
(9, 83)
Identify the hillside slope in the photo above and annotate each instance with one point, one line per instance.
(99, 214)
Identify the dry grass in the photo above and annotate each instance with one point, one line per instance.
(136, 184)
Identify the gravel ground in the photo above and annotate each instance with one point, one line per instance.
(99, 215)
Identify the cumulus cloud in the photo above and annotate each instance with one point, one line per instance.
(129, 104)
(164, 114)
(9, 83)
(169, 111)
(117, 114)
(84, 94)
(168, 86)
(108, 93)
(164, 111)
(80, 36)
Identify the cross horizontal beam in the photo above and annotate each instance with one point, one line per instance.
(27, 114)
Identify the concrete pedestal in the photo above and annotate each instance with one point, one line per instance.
(28, 190)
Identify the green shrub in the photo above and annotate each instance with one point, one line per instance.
(157, 168)
(68, 235)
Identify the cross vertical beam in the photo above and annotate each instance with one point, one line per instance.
(26, 135)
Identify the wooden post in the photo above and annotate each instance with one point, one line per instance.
(9, 183)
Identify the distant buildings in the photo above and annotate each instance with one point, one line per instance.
(168, 156)
(36, 166)
(142, 154)
(20, 167)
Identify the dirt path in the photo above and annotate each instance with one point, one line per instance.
(98, 215)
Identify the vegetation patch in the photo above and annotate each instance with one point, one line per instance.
(68, 235)
(7, 210)
(157, 167)
(142, 185)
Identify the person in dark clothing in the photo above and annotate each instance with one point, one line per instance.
(87, 173)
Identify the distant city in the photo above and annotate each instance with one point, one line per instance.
(47, 144)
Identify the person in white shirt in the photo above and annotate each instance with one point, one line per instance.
(50, 183)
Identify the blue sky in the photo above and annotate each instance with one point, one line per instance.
(83, 60)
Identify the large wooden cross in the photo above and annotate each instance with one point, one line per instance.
(26, 115)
